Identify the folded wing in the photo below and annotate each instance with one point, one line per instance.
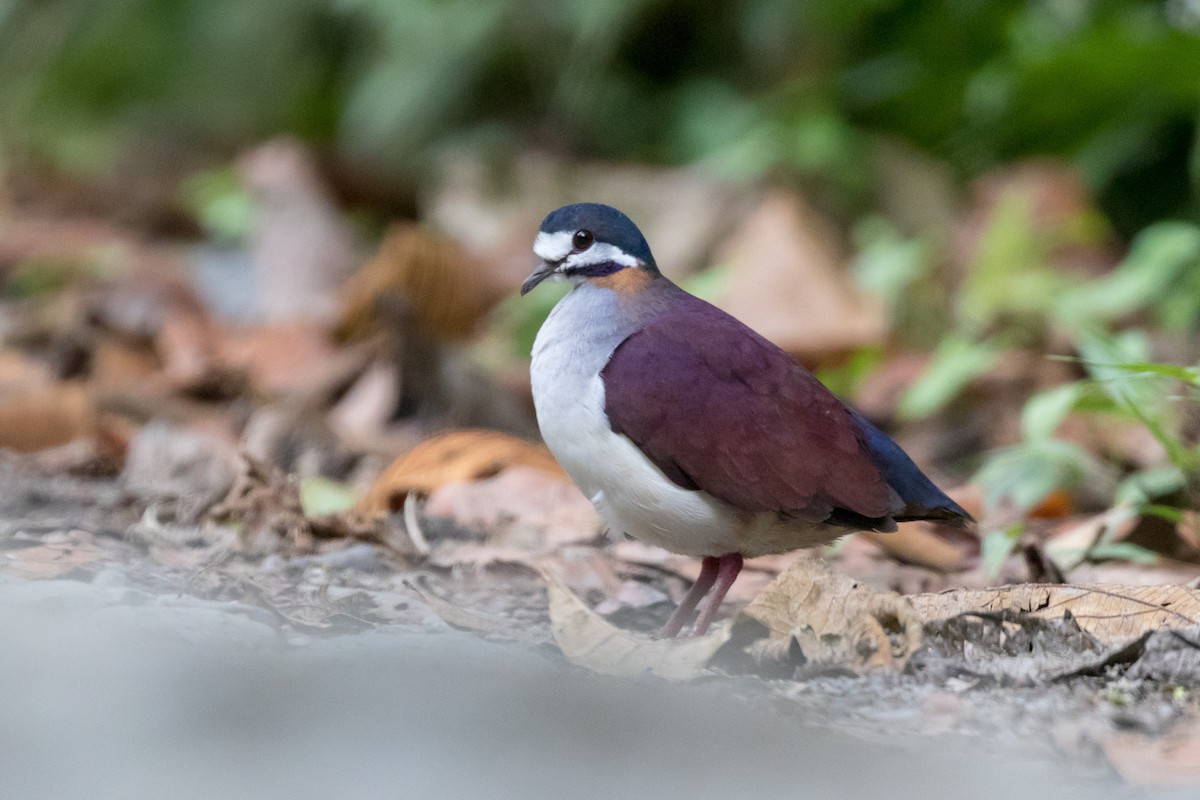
(719, 408)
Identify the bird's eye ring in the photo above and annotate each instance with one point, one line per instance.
(582, 240)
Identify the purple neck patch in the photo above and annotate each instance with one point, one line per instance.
(598, 270)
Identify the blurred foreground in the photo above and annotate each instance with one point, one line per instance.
(111, 692)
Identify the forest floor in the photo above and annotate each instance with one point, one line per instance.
(154, 662)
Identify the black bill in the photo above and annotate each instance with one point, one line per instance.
(545, 270)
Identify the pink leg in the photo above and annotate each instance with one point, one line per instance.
(728, 567)
(708, 574)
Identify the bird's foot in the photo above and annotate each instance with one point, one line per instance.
(717, 574)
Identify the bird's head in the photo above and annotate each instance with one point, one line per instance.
(589, 241)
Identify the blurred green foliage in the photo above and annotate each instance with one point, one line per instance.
(749, 85)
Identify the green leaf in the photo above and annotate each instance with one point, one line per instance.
(1169, 513)
(1045, 411)
(1125, 551)
(1160, 256)
(1022, 476)
(844, 379)
(1011, 275)
(955, 363)
(324, 496)
(997, 546)
(1185, 374)
(1143, 395)
(220, 203)
(1146, 485)
(887, 264)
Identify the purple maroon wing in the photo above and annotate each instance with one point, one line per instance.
(719, 408)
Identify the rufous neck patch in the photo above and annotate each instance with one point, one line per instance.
(625, 281)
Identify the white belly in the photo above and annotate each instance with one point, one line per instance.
(631, 493)
(635, 497)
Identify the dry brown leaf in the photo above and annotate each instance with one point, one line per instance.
(1176, 542)
(454, 457)
(1113, 614)
(682, 211)
(788, 282)
(186, 342)
(301, 248)
(19, 373)
(1060, 209)
(836, 620)
(1171, 760)
(120, 365)
(436, 279)
(1069, 542)
(266, 502)
(917, 543)
(521, 506)
(45, 417)
(290, 358)
(158, 309)
(57, 555)
(1162, 572)
(589, 641)
(367, 406)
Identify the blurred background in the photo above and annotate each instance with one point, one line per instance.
(296, 228)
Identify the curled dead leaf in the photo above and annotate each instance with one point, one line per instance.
(454, 457)
(918, 543)
(835, 620)
(589, 641)
(436, 279)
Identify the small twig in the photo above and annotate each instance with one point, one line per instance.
(412, 525)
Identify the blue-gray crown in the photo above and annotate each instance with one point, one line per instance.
(606, 223)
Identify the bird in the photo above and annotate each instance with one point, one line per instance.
(688, 430)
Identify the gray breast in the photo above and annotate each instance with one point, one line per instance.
(574, 344)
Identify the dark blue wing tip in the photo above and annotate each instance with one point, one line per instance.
(922, 498)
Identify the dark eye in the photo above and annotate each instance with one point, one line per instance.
(582, 240)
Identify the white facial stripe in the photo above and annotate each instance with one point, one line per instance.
(553, 246)
(558, 246)
(600, 253)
